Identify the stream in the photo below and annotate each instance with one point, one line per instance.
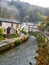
(22, 54)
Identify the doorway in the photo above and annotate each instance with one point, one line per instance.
(8, 30)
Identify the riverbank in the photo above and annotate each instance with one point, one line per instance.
(13, 42)
(43, 54)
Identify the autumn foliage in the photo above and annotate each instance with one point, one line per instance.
(43, 54)
(47, 18)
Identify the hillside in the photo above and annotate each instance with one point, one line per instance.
(22, 11)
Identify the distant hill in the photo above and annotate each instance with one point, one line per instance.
(22, 11)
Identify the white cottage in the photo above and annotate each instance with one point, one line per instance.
(30, 27)
(10, 25)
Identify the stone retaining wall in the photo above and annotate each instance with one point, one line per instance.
(14, 43)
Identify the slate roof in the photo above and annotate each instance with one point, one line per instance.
(9, 20)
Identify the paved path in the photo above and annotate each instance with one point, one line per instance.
(8, 41)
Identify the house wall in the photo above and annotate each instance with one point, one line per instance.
(6, 25)
(18, 28)
(14, 26)
(12, 31)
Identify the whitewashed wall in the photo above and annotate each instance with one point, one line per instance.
(14, 26)
(6, 25)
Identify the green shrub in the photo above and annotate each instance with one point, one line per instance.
(41, 45)
(1, 30)
(23, 31)
(21, 40)
(1, 38)
(47, 59)
(47, 23)
(17, 42)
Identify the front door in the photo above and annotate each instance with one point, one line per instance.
(8, 30)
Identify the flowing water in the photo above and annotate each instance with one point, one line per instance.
(22, 54)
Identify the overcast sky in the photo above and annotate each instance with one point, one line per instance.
(43, 3)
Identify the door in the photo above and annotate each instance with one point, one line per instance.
(8, 30)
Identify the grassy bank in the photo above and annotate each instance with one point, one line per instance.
(43, 54)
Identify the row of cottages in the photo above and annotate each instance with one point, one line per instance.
(33, 27)
(10, 26)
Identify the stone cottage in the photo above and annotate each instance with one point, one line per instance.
(10, 26)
